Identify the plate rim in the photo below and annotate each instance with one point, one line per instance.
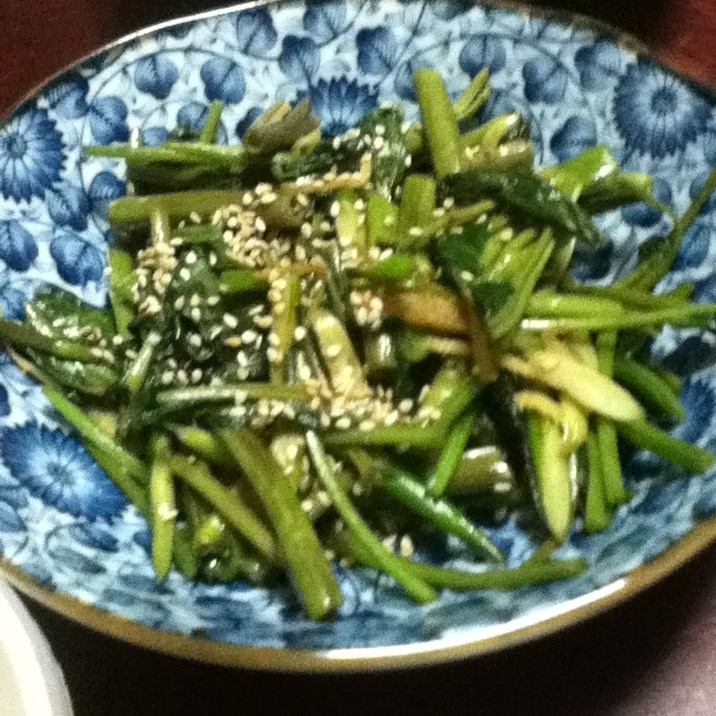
(382, 658)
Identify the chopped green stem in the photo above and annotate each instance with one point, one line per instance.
(283, 327)
(199, 234)
(694, 209)
(684, 317)
(553, 482)
(163, 507)
(493, 132)
(123, 477)
(524, 277)
(439, 121)
(441, 512)
(206, 445)
(416, 435)
(482, 351)
(231, 158)
(451, 455)
(212, 123)
(181, 398)
(131, 210)
(644, 435)
(376, 551)
(653, 267)
(225, 501)
(121, 280)
(88, 428)
(614, 488)
(533, 573)
(185, 557)
(473, 96)
(552, 305)
(381, 220)
(299, 543)
(604, 352)
(648, 385)
(20, 334)
(139, 368)
(633, 298)
(417, 205)
(596, 510)
(483, 470)
(615, 491)
(394, 269)
(240, 280)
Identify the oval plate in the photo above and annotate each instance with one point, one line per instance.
(67, 536)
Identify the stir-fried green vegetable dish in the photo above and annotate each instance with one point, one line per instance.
(322, 349)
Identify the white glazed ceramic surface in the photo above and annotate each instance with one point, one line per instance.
(31, 681)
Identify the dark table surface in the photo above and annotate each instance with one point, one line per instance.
(652, 656)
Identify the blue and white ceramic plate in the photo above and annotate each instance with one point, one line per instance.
(69, 538)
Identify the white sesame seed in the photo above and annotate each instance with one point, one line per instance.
(263, 321)
(230, 321)
(249, 336)
(406, 547)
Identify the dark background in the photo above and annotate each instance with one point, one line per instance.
(653, 656)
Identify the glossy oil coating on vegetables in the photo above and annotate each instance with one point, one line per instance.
(336, 348)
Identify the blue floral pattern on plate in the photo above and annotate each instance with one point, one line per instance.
(65, 524)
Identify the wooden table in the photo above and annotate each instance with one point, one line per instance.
(653, 656)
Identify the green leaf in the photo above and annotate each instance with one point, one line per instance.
(62, 315)
(457, 253)
(492, 296)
